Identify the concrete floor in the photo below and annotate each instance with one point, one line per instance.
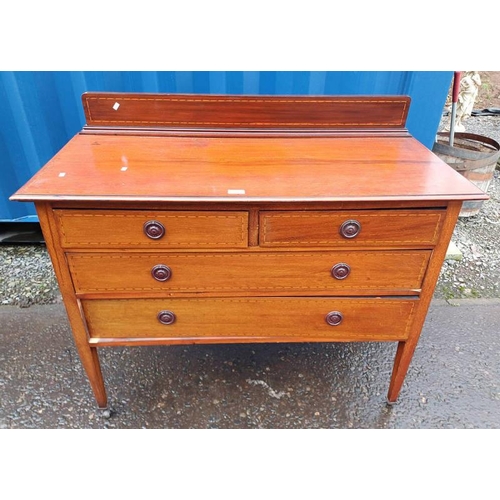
(453, 381)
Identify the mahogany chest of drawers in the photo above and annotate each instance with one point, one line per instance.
(178, 219)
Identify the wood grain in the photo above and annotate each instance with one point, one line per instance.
(187, 169)
(119, 228)
(389, 272)
(293, 318)
(251, 192)
(382, 227)
(87, 353)
(194, 111)
(406, 349)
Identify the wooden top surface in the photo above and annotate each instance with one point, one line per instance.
(156, 168)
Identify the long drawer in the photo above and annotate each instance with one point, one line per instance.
(288, 319)
(350, 228)
(263, 272)
(152, 229)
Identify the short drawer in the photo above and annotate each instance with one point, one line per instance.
(152, 229)
(350, 228)
(255, 319)
(264, 272)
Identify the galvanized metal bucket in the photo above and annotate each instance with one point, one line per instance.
(474, 156)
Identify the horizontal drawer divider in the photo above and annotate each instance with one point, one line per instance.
(367, 293)
(136, 341)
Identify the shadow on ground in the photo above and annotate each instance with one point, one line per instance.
(453, 382)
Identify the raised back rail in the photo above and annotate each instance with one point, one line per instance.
(235, 114)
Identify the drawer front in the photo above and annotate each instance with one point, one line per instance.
(256, 319)
(350, 228)
(152, 229)
(290, 272)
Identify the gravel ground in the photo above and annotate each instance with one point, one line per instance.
(27, 277)
(477, 237)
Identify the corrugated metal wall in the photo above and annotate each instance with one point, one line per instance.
(41, 111)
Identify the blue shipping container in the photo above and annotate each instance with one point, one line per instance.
(41, 111)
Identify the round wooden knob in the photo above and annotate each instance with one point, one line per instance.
(166, 317)
(334, 318)
(161, 272)
(154, 229)
(350, 228)
(340, 271)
